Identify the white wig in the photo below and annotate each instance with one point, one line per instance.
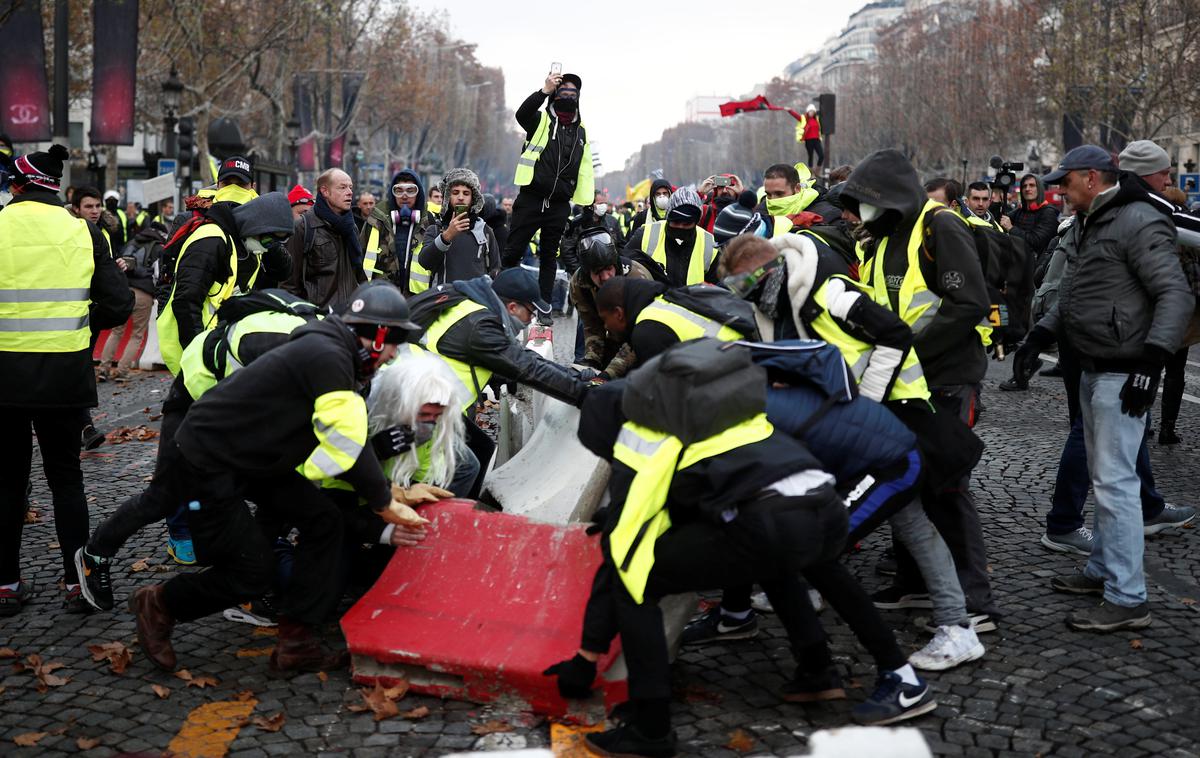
(397, 393)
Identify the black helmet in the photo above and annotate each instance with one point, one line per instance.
(597, 251)
(379, 305)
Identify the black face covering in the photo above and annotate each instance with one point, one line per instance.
(566, 106)
(723, 200)
(686, 237)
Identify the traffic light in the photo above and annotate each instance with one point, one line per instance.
(187, 133)
(827, 105)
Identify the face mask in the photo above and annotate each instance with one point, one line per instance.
(723, 200)
(566, 106)
(601, 208)
(254, 246)
(786, 206)
(868, 212)
(423, 431)
(661, 201)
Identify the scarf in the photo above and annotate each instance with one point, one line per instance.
(344, 225)
(768, 299)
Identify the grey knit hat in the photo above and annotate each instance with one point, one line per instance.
(684, 205)
(1143, 158)
(462, 176)
(731, 221)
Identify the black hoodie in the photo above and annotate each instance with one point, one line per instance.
(648, 338)
(651, 209)
(557, 168)
(949, 346)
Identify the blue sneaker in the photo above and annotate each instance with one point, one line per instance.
(181, 551)
(893, 701)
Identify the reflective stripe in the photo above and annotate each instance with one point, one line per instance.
(911, 373)
(527, 162)
(423, 278)
(860, 366)
(371, 254)
(64, 295)
(42, 324)
(709, 326)
(650, 239)
(536, 148)
(335, 439)
(709, 251)
(637, 443)
(324, 463)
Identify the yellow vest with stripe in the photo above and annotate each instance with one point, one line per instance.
(687, 325)
(46, 268)
(371, 253)
(124, 222)
(472, 377)
(340, 425)
(655, 457)
(107, 240)
(218, 292)
(704, 250)
(916, 304)
(585, 181)
(197, 372)
(910, 383)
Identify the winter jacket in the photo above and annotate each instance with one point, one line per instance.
(259, 421)
(141, 254)
(471, 254)
(651, 213)
(949, 347)
(1036, 222)
(324, 274)
(1122, 288)
(407, 230)
(66, 380)
(557, 168)
(577, 225)
(597, 342)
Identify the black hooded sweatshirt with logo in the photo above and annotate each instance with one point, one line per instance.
(557, 168)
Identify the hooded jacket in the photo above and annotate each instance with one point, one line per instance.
(557, 168)
(470, 254)
(1036, 223)
(1122, 288)
(948, 346)
(141, 254)
(407, 235)
(651, 211)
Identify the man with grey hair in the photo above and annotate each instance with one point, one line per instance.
(1123, 314)
(676, 251)
(325, 249)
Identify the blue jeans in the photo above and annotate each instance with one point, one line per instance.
(1112, 440)
(1072, 484)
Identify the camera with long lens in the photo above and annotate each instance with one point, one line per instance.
(1006, 175)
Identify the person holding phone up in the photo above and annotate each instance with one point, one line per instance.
(460, 245)
(554, 170)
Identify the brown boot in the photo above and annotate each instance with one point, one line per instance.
(298, 649)
(154, 625)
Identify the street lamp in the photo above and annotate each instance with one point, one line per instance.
(172, 89)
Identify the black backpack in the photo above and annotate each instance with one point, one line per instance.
(425, 307)
(239, 307)
(718, 304)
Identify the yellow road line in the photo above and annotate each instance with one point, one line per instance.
(210, 728)
(566, 740)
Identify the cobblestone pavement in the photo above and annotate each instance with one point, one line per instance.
(1041, 688)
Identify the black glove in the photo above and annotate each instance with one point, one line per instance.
(598, 520)
(391, 442)
(590, 363)
(585, 374)
(1026, 361)
(1141, 388)
(575, 677)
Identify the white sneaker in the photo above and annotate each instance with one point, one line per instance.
(759, 602)
(950, 646)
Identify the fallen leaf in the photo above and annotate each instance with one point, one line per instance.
(156, 417)
(1188, 600)
(183, 674)
(266, 631)
(52, 546)
(381, 700)
(46, 680)
(244, 695)
(121, 434)
(419, 712)
(489, 727)
(741, 741)
(203, 681)
(32, 517)
(162, 692)
(61, 730)
(87, 743)
(2, 689)
(8, 652)
(269, 723)
(29, 739)
(116, 653)
(140, 565)
(321, 675)
(254, 652)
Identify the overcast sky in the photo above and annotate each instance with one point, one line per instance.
(641, 62)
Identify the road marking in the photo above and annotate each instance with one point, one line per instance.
(1188, 397)
(566, 740)
(209, 729)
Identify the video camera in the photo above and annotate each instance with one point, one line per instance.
(1006, 175)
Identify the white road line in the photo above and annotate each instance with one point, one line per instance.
(1186, 396)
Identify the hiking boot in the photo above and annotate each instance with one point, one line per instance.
(950, 647)
(1077, 584)
(891, 598)
(154, 625)
(893, 701)
(12, 600)
(814, 687)
(1172, 517)
(715, 626)
(255, 613)
(1167, 436)
(181, 551)
(1078, 542)
(626, 740)
(91, 438)
(299, 650)
(1107, 617)
(74, 601)
(94, 582)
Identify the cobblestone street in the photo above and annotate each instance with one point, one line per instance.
(1041, 689)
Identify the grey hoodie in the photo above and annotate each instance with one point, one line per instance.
(266, 214)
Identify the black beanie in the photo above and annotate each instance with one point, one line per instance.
(43, 170)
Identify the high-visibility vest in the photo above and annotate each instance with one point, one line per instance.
(201, 365)
(585, 181)
(107, 240)
(472, 377)
(140, 221)
(704, 250)
(916, 304)
(655, 457)
(910, 383)
(124, 222)
(233, 193)
(802, 124)
(371, 254)
(687, 325)
(340, 425)
(219, 292)
(46, 268)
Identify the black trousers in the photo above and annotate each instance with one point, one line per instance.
(481, 445)
(531, 214)
(58, 434)
(814, 146)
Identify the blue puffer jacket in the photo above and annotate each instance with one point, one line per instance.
(855, 435)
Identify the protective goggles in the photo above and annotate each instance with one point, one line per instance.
(743, 284)
(595, 240)
(405, 190)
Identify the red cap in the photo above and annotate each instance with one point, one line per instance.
(300, 195)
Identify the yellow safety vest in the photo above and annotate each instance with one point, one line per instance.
(655, 457)
(124, 222)
(910, 383)
(197, 372)
(140, 221)
(371, 254)
(687, 325)
(46, 268)
(219, 292)
(232, 193)
(107, 241)
(585, 181)
(472, 377)
(704, 250)
(340, 425)
(916, 304)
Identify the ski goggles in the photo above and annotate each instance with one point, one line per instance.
(405, 190)
(596, 239)
(744, 284)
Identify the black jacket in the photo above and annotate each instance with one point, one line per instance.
(557, 168)
(577, 225)
(1035, 226)
(66, 380)
(258, 421)
(140, 256)
(679, 257)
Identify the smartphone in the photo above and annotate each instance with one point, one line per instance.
(459, 210)
(721, 181)
(555, 68)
